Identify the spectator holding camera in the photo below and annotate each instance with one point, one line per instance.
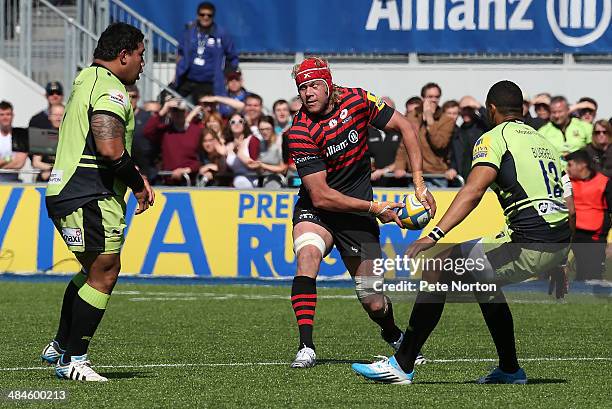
(600, 149)
(179, 137)
(204, 52)
(473, 126)
(435, 130)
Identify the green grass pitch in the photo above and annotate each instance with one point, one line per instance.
(229, 346)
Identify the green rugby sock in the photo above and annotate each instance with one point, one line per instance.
(87, 312)
(63, 330)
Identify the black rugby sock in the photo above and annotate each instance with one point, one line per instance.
(498, 317)
(63, 330)
(425, 316)
(304, 302)
(87, 312)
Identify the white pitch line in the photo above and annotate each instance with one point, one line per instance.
(184, 365)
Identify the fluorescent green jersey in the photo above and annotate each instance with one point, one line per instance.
(79, 174)
(576, 136)
(528, 183)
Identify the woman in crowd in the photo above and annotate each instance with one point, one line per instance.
(240, 157)
(235, 128)
(215, 123)
(212, 158)
(270, 155)
(600, 149)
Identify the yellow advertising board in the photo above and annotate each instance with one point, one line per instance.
(203, 232)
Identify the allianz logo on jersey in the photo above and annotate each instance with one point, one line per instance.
(353, 137)
(574, 23)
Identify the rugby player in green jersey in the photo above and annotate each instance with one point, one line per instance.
(86, 192)
(524, 169)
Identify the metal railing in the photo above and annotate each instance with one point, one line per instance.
(161, 48)
(47, 42)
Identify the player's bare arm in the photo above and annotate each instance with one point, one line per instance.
(399, 123)
(481, 177)
(108, 133)
(326, 198)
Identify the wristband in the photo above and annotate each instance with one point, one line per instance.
(125, 169)
(436, 234)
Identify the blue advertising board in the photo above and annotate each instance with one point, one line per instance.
(400, 26)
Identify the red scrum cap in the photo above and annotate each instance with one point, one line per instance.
(313, 69)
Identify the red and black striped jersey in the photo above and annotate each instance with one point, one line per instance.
(337, 142)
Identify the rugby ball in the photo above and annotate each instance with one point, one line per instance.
(413, 216)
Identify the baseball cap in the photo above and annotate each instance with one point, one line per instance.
(233, 75)
(54, 87)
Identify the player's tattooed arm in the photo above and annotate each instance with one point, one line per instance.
(108, 133)
(104, 126)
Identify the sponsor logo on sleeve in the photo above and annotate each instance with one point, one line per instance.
(303, 159)
(481, 149)
(371, 97)
(118, 97)
(72, 236)
(380, 104)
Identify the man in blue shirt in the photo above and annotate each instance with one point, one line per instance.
(205, 50)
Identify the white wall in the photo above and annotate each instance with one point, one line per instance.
(401, 81)
(27, 97)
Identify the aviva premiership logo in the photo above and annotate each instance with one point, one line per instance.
(576, 23)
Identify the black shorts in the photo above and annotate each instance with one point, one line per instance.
(354, 234)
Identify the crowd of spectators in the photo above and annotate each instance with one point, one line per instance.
(233, 140)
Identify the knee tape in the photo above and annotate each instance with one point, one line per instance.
(310, 239)
(367, 286)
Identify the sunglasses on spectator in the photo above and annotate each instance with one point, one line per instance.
(236, 121)
(600, 132)
(265, 129)
(54, 93)
(205, 14)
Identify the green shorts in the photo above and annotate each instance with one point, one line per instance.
(95, 227)
(506, 262)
